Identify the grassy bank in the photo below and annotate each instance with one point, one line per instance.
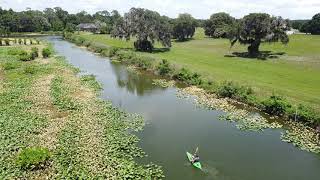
(286, 86)
(294, 74)
(54, 126)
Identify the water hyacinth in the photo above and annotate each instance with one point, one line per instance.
(301, 136)
(163, 83)
(245, 119)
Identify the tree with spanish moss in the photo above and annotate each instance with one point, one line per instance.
(218, 25)
(184, 27)
(257, 28)
(146, 26)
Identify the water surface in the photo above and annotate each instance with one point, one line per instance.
(175, 126)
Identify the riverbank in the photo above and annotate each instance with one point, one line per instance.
(274, 105)
(296, 133)
(55, 126)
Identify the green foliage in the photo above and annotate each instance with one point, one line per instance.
(187, 77)
(275, 105)
(16, 51)
(146, 26)
(46, 52)
(34, 52)
(20, 41)
(164, 67)
(257, 28)
(304, 114)
(11, 65)
(312, 26)
(218, 26)
(90, 80)
(232, 90)
(25, 57)
(60, 97)
(184, 27)
(33, 158)
(30, 69)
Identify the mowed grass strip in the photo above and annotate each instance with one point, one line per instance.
(295, 74)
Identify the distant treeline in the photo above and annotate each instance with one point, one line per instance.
(51, 19)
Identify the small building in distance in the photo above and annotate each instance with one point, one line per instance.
(89, 27)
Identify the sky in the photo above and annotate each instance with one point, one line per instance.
(202, 9)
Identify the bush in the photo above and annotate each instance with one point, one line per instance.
(234, 91)
(33, 158)
(10, 65)
(31, 69)
(25, 57)
(25, 41)
(15, 51)
(20, 41)
(46, 52)
(186, 76)
(113, 51)
(304, 114)
(34, 53)
(275, 105)
(0, 42)
(164, 67)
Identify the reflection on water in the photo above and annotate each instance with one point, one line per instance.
(133, 81)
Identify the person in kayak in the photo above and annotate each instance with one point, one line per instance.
(195, 157)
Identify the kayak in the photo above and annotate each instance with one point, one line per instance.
(196, 164)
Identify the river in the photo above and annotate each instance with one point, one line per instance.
(176, 125)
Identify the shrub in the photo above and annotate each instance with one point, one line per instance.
(10, 65)
(233, 90)
(25, 41)
(164, 67)
(15, 51)
(25, 57)
(144, 62)
(34, 53)
(186, 76)
(113, 51)
(46, 52)
(31, 69)
(7, 42)
(303, 113)
(275, 105)
(33, 158)
(0, 42)
(20, 41)
(87, 43)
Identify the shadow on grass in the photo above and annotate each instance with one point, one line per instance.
(184, 40)
(263, 55)
(160, 50)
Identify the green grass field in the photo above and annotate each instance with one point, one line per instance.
(295, 74)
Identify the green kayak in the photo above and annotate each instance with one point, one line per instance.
(196, 164)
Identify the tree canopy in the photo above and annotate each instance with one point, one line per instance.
(146, 26)
(312, 26)
(218, 25)
(257, 28)
(184, 27)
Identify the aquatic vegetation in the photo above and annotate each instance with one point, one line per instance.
(33, 158)
(245, 119)
(92, 139)
(163, 83)
(302, 136)
(90, 80)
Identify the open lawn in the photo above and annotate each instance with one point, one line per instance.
(291, 70)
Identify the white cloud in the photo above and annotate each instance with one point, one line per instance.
(294, 9)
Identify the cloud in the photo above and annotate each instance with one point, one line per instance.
(293, 9)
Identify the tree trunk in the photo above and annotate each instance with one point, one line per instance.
(253, 49)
